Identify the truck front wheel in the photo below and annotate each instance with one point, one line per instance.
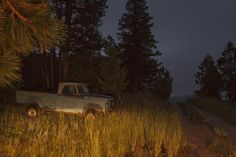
(32, 111)
(90, 115)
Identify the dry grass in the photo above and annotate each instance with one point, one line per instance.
(116, 134)
(223, 146)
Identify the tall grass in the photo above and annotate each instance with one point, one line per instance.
(223, 145)
(155, 129)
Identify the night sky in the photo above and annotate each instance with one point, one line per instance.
(187, 30)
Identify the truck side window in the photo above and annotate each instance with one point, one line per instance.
(69, 90)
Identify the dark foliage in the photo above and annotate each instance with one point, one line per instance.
(83, 19)
(87, 57)
(112, 74)
(161, 83)
(227, 68)
(79, 58)
(208, 78)
(137, 44)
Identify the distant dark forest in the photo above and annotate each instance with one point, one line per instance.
(218, 79)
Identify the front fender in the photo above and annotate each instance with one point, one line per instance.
(93, 106)
(35, 100)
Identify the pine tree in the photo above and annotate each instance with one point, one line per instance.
(88, 38)
(112, 74)
(80, 57)
(65, 10)
(208, 78)
(24, 25)
(137, 43)
(227, 68)
(161, 83)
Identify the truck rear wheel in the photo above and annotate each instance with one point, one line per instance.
(32, 111)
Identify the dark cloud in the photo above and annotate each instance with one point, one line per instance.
(186, 31)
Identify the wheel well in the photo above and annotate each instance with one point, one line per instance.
(93, 108)
(33, 105)
(33, 102)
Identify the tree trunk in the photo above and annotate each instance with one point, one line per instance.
(52, 68)
(67, 49)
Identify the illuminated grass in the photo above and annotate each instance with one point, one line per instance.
(115, 134)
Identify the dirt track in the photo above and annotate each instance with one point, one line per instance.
(198, 135)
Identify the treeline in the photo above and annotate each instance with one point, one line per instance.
(217, 79)
(130, 64)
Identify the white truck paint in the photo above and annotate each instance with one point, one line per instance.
(71, 98)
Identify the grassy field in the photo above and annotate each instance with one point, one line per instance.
(217, 107)
(140, 127)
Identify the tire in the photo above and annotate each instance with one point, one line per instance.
(90, 115)
(119, 101)
(32, 111)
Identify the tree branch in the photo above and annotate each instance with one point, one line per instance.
(19, 15)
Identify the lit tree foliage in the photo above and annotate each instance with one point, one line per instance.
(24, 25)
(9, 66)
(208, 78)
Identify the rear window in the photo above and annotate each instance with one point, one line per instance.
(69, 90)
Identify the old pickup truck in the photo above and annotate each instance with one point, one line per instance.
(70, 98)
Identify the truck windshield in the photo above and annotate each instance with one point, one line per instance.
(82, 90)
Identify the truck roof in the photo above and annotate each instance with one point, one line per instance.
(73, 83)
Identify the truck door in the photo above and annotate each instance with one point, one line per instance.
(69, 101)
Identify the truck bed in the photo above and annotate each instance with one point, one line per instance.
(46, 99)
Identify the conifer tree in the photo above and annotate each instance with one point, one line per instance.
(137, 43)
(24, 25)
(80, 56)
(112, 74)
(227, 68)
(208, 78)
(161, 83)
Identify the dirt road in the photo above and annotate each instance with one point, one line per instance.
(198, 135)
(216, 122)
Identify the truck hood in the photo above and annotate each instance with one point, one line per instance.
(97, 97)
